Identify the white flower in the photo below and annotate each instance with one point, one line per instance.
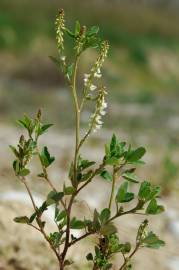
(104, 105)
(97, 127)
(98, 120)
(102, 112)
(97, 75)
(63, 57)
(93, 87)
(86, 75)
(86, 78)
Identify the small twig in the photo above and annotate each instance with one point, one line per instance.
(41, 229)
(80, 238)
(91, 177)
(113, 186)
(47, 178)
(130, 256)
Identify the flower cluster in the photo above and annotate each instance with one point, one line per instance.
(96, 69)
(96, 118)
(80, 39)
(60, 26)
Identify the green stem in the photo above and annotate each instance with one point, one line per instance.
(39, 222)
(130, 256)
(77, 138)
(113, 186)
(77, 112)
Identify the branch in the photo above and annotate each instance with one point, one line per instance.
(79, 238)
(130, 256)
(41, 229)
(91, 177)
(47, 178)
(113, 186)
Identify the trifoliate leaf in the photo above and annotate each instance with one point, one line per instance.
(77, 224)
(152, 241)
(105, 215)
(54, 197)
(46, 159)
(136, 155)
(153, 208)
(122, 194)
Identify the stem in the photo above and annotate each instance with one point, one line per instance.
(47, 178)
(41, 229)
(131, 211)
(77, 138)
(113, 187)
(77, 112)
(130, 256)
(91, 177)
(80, 238)
(89, 130)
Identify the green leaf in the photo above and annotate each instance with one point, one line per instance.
(144, 190)
(84, 163)
(106, 175)
(24, 172)
(147, 191)
(113, 144)
(14, 151)
(44, 128)
(153, 208)
(125, 248)
(130, 177)
(112, 161)
(23, 220)
(68, 262)
(43, 207)
(89, 257)
(46, 159)
(152, 241)
(32, 218)
(69, 71)
(105, 215)
(68, 190)
(55, 238)
(96, 223)
(77, 224)
(93, 31)
(108, 229)
(136, 155)
(85, 176)
(77, 28)
(61, 215)
(54, 197)
(16, 166)
(70, 33)
(122, 194)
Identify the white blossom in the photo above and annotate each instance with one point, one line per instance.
(93, 87)
(86, 75)
(63, 57)
(102, 112)
(97, 75)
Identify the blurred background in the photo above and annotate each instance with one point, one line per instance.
(142, 77)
